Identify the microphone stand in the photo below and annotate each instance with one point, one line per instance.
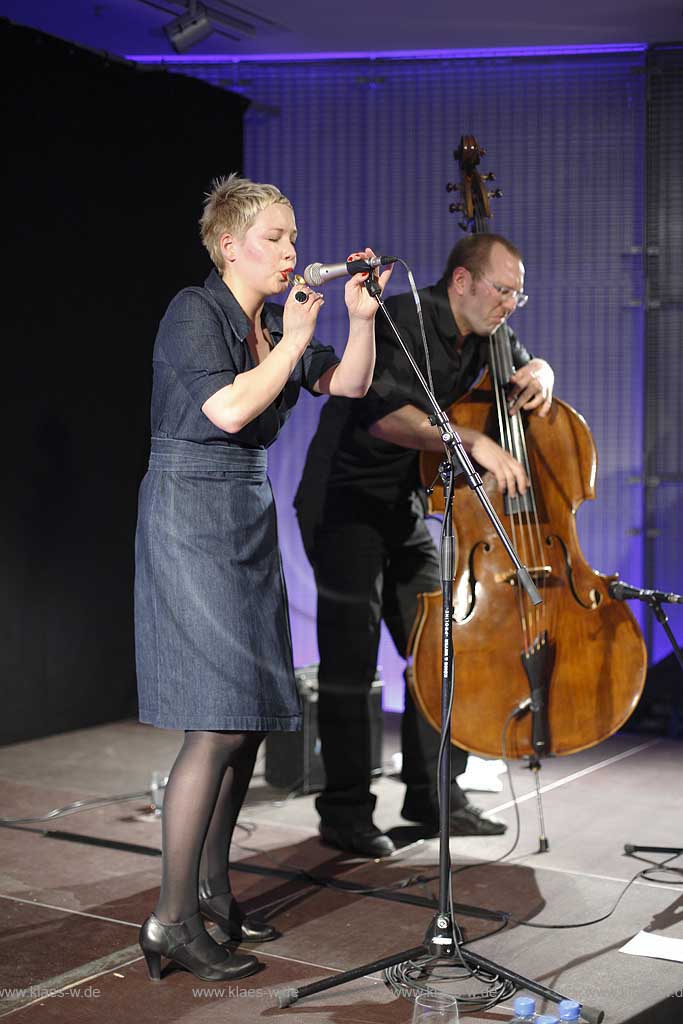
(654, 599)
(441, 941)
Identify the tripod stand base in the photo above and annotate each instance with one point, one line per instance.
(675, 851)
(289, 996)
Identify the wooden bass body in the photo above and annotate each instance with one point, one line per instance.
(581, 647)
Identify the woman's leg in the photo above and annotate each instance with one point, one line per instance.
(212, 768)
(216, 854)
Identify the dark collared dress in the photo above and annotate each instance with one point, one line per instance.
(213, 646)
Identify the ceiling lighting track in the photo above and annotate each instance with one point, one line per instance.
(194, 21)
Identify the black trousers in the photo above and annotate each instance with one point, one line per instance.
(370, 562)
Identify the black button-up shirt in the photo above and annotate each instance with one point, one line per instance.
(344, 459)
(200, 348)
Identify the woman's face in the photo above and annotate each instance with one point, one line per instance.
(264, 256)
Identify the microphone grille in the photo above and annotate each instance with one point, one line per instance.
(312, 274)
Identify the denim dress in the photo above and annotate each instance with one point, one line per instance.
(213, 646)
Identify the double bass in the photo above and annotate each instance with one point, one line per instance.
(529, 681)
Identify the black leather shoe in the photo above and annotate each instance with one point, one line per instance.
(224, 910)
(367, 841)
(466, 820)
(471, 821)
(190, 945)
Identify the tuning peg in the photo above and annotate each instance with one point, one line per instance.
(496, 194)
(452, 187)
(490, 176)
(456, 208)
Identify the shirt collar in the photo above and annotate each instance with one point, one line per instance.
(445, 321)
(237, 318)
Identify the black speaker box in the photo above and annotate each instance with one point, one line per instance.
(293, 759)
(660, 710)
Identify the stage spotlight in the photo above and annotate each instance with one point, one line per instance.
(188, 29)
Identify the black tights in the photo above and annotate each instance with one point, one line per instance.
(205, 791)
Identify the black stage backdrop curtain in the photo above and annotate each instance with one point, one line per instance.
(107, 166)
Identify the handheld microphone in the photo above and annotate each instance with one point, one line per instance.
(625, 592)
(316, 274)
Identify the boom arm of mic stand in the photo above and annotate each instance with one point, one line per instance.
(454, 447)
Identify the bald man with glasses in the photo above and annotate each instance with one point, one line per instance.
(361, 512)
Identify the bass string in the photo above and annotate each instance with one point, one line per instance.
(504, 430)
(533, 533)
(526, 538)
(505, 436)
(532, 618)
(547, 616)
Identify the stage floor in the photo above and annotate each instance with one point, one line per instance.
(71, 910)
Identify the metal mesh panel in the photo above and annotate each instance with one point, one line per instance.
(665, 264)
(664, 383)
(667, 527)
(664, 368)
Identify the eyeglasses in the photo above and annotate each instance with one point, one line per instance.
(519, 298)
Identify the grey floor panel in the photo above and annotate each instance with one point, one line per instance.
(87, 901)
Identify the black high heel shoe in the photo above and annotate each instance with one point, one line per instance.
(190, 945)
(222, 908)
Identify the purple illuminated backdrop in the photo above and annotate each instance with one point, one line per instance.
(364, 149)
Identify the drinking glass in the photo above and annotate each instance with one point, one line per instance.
(435, 1008)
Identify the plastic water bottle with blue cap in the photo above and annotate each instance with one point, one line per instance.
(570, 1010)
(525, 1010)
